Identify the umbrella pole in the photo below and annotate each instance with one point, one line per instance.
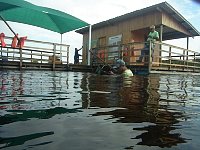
(89, 44)
(61, 48)
(20, 50)
(60, 38)
(9, 27)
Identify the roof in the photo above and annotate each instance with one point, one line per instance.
(168, 33)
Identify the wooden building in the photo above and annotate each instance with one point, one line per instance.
(120, 37)
(133, 28)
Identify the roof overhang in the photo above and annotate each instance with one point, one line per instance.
(168, 33)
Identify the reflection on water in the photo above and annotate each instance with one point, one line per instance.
(55, 110)
(13, 141)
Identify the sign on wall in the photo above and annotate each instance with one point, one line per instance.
(114, 51)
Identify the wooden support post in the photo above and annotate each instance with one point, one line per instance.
(187, 42)
(89, 45)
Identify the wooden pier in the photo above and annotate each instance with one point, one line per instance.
(38, 55)
(164, 57)
(53, 56)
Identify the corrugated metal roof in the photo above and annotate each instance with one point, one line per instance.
(168, 33)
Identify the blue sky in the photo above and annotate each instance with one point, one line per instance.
(94, 11)
(189, 9)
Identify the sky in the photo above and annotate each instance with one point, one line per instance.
(94, 11)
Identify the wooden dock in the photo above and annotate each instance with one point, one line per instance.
(165, 57)
(53, 56)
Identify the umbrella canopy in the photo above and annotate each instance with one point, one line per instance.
(24, 12)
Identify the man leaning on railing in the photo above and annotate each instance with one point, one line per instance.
(152, 37)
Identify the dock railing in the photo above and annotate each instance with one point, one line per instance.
(129, 52)
(164, 57)
(35, 52)
(174, 58)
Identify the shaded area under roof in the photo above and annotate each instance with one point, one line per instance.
(168, 33)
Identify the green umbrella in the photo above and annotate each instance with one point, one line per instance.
(24, 12)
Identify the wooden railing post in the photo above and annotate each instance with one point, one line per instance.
(187, 58)
(194, 61)
(61, 53)
(41, 57)
(170, 58)
(183, 60)
(7, 53)
(20, 63)
(160, 53)
(150, 57)
(54, 55)
(67, 55)
(1, 52)
(132, 50)
(13, 55)
(31, 56)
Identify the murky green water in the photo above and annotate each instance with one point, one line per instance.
(68, 110)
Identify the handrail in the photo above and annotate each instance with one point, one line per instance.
(38, 51)
(172, 56)
(165, 56)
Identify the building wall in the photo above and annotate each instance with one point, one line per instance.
(131, 30)
(126, 28)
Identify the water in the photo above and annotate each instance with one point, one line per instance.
(69, 110)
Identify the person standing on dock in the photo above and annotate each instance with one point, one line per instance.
(121, 68)
(76, 55)
(152, 37)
